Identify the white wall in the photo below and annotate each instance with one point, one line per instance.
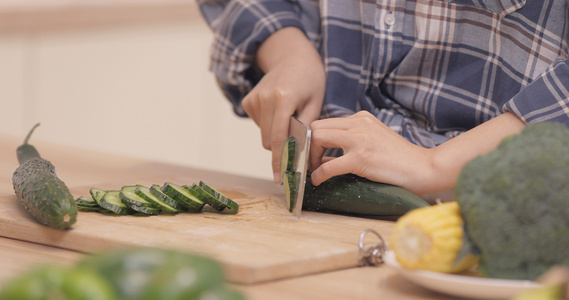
(141, 90)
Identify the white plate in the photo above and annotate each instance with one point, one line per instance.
(462, 285)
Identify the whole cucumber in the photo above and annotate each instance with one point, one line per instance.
(354, 195)
(44, 196)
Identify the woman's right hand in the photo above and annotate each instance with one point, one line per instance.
(294, 82)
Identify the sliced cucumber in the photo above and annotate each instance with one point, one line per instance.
(289, 181)
(111, 200)
(203, 195)
(97, 194)
(144, 193)
(212, 197)
(176, 192)
(89, 208)
(288, 154)
(156, 190)
(137, 203)
(86, 201)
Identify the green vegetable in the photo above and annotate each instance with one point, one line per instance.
(156, 190)
(111, 200)
(289, 181)
(86, 203)
(221, 202)
(289, 176)
(170, 198)
(351, 194)
(44, 196)
(133, 273)
(183, 196)
(57, 282)
(145, 193)
(514, 201)
(150, 273)
(129, 197)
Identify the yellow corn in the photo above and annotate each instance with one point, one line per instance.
(430, 238)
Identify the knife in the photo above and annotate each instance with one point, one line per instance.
(293, 174)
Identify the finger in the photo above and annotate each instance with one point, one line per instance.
(266, 115)
(250, 105)
(323, 139)
(332, 167)
(279, 131)
(310, 112)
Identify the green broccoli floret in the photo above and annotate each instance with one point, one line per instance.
(515, 203)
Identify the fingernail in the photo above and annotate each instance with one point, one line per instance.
(277, 178)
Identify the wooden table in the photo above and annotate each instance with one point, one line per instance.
(330, 275)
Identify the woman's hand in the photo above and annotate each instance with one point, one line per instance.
(373, 150)
(294, 82)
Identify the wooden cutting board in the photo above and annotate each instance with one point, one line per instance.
(262, 242)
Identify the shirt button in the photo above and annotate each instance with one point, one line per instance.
(389, 19)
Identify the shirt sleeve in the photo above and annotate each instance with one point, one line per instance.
(546, 99)
(239, 27)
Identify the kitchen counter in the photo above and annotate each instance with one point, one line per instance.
(333, 275)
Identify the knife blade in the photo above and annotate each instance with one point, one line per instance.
(301, 135)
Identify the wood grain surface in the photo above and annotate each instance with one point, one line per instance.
(263, 242)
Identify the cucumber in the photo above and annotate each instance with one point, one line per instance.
(111, 200)
(129, 197)
(354, 195)
(89, 208)
(156, 190)
(289, 181)
(86, 203)
(38, 189)
(183, 196)
(97, 194)
(288, 154)
(144, 193)
(221, 202)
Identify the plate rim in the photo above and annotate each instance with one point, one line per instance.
(510, 286)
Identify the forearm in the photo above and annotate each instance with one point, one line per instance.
(287, 43)
(448, 159)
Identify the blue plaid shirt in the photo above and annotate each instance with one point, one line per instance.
(429, 69)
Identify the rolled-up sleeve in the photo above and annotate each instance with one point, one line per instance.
(546, 98)
(239, 27)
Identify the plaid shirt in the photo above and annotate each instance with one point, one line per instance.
(429, 69)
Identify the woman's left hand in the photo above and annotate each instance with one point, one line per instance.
(371, 150)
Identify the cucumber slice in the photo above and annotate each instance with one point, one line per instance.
(86, 201)
(144, 193)
(111, 200)
(89, 208)
(156, 190)
(214, 198)
(137, 203)
(176, 192)
(97, 194)
(288, 154)
(203, 195)
(289, 181)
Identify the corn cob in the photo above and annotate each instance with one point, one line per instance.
(431, 238)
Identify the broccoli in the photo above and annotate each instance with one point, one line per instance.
(515, 203)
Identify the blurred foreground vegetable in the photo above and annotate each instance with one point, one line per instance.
(125, 274)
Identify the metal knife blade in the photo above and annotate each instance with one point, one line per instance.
(302, 135)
